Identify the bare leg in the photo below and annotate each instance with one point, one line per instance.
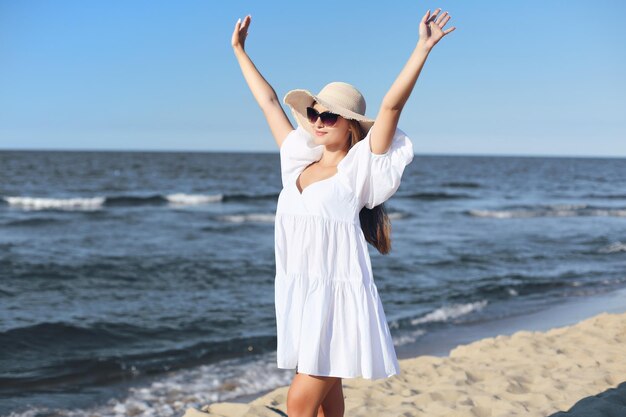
(306, 394)
(333, 404)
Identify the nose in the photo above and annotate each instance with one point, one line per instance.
(318, 123)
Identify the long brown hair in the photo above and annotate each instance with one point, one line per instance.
(374, 222)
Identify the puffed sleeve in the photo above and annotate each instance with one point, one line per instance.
(374, 178)
(296, 152)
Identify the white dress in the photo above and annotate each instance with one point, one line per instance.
(330, 319)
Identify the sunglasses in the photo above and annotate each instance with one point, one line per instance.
(329, 119)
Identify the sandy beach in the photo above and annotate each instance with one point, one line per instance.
(529, 373)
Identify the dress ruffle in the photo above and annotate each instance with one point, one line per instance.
(320, 246)
(376, 177)
(330, 319)
(345, 333)
(329, 316)
(296, 152)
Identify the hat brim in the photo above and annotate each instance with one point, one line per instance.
(298, 100)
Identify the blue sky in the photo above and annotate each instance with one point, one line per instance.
(514, 78)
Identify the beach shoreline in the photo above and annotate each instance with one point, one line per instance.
(521, 365)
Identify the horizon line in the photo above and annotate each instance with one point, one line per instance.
(276, 152)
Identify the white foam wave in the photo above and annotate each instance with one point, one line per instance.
(554, 210)
(250, 217)
(396, 215)
(192, 199)
(408, 338)
(37, 203)
(173, 393)
(269, 218)
(613, 248)
(453, 311)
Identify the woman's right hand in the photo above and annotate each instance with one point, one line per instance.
(240, 33)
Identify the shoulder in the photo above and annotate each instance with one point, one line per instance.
(300, 143)
(401, 147)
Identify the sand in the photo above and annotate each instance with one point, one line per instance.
(527, 373)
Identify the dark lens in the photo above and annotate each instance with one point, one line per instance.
(328, 118)
(312, 114)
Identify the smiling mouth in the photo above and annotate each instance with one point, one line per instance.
(318, 133)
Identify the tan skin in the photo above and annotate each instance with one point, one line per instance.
(336, 146)
(430, 33)
(312, 395)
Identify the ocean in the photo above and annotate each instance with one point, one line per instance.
(142, 283)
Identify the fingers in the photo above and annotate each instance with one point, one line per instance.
(433, 16)
(443, 18)
(439, 20)
(241, 31)
(246, 22)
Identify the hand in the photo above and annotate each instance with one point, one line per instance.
(430, 30)
(241, 32)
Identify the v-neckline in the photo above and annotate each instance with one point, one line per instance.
(295, 183)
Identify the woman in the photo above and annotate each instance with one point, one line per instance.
(336, 171)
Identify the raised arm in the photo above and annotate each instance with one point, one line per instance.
(261, 89)
(430, 32)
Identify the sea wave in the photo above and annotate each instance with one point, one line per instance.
(409, 337)
(461, 184)
(448, 312)
(613, 248)
(430, 196)
(100, 202)
(42, 203)
(606, 196)
(171, 393)
(248, 218)
(551, 210)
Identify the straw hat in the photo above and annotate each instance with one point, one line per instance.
(338, 97)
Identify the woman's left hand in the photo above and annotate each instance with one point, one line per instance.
(431, 28)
